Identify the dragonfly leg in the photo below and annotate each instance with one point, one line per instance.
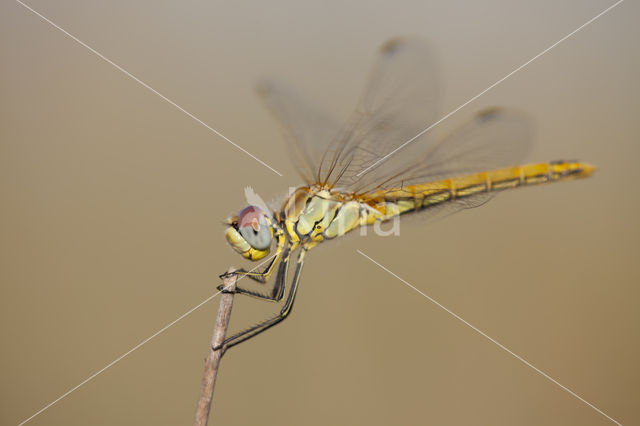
(283, 314)
(277, 291)
(263, 277)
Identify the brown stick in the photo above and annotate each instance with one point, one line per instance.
(213, 358)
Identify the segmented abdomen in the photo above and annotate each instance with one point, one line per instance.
(415, 197)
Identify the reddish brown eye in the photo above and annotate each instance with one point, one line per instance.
(250, 217)
(254, 227)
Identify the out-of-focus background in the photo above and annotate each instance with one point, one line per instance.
(111, 203)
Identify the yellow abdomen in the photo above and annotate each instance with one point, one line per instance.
(415, 197)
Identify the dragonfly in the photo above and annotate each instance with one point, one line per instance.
(379, 166)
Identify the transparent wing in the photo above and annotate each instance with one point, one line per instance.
(307, 130)
(399, 102)
(400, 99)
(493, 138)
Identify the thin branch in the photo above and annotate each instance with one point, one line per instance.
(213, 358)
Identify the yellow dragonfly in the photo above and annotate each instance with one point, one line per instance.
(379, 166)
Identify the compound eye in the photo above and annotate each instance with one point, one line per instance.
(253, 226)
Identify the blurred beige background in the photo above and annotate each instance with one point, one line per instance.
(111, 202)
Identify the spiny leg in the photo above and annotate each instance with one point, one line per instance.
(284, 312)
(277, 291)
(280, 282)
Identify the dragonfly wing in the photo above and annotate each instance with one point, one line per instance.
(307, 130)
(493, 138)
(401, 98)
(400, 101)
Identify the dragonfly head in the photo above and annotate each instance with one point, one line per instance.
(250, 233)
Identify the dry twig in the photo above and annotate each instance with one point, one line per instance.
(213, 358)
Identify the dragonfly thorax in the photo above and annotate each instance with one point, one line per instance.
(315, 213)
